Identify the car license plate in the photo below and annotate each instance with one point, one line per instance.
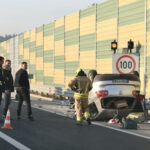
(120, 81)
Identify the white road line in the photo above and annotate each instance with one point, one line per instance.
(97, 123)
(51, 111)
(121, 130)
(54, 112)
(13, 142)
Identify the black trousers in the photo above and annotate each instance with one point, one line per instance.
(23, 95)
(0, 97)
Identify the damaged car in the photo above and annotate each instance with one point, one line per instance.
(112, 95)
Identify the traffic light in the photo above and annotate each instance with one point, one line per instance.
(130, 45)
(114, 46)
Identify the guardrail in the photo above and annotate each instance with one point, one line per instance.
(54, 92)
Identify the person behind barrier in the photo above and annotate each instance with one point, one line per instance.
(22, 87)
(81, 85)
(2, 83)
(9, 87)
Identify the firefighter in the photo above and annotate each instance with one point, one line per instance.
(2, 84)
(81, 85)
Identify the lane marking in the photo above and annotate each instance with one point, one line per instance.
(50, 111)
(96, 123)
(13, 142)
(121, 130)
(54, 112)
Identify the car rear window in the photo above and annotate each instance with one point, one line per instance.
(105, 77)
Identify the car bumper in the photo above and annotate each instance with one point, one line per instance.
(107, 114)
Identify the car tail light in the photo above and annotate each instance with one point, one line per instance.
(134, 93)
(102, 93)
(140, 98)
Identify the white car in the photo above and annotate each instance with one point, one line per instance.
(113, 95)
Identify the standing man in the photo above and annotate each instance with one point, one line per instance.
(81, 85)
(2, 84)
(8, 86)
(23, 90)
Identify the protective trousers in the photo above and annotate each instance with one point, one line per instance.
(81, 106)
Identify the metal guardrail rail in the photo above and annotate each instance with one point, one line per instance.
(55, 92)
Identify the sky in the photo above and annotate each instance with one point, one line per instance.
(18, 16)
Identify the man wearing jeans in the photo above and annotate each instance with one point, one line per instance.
(8, 86)
(23, 90)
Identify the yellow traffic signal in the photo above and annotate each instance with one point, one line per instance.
(114, 46)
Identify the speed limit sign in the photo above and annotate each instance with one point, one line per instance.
(125, 63)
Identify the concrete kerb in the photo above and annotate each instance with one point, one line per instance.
(41, 97)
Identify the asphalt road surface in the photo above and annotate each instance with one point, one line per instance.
(53, 132)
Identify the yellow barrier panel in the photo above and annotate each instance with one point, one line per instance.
(26, 53)
(48, 69)
(20, 49)
(32, 35)
(39, 83)
(49, 43)
(39, 39)
(59, 48)
(107, 29)
(32, 61)
(148, 4)
(104, 66)
(126, 2)
(72, 53)
(72, 21)
(26, 35)
(134, 32)
(87, 25)
(59, 22)
(85, 58)
(148, 44)
(59, 76)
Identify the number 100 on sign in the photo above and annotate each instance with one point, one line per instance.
(125, 64)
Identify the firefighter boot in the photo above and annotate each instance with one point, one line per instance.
(88, 121)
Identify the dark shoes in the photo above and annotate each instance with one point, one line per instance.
(31, 118)
(88, 121)
(18, 117)
(3, 118)
(79, 123)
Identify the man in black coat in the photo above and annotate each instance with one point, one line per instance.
(9, 87)
(2, 84)
(23, 90)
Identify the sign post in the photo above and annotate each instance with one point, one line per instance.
(125, 63)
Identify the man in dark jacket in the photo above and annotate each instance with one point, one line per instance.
(2, 84)
(8, 86)
(23, 90)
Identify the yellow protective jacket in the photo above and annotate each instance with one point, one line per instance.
(81, 85)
